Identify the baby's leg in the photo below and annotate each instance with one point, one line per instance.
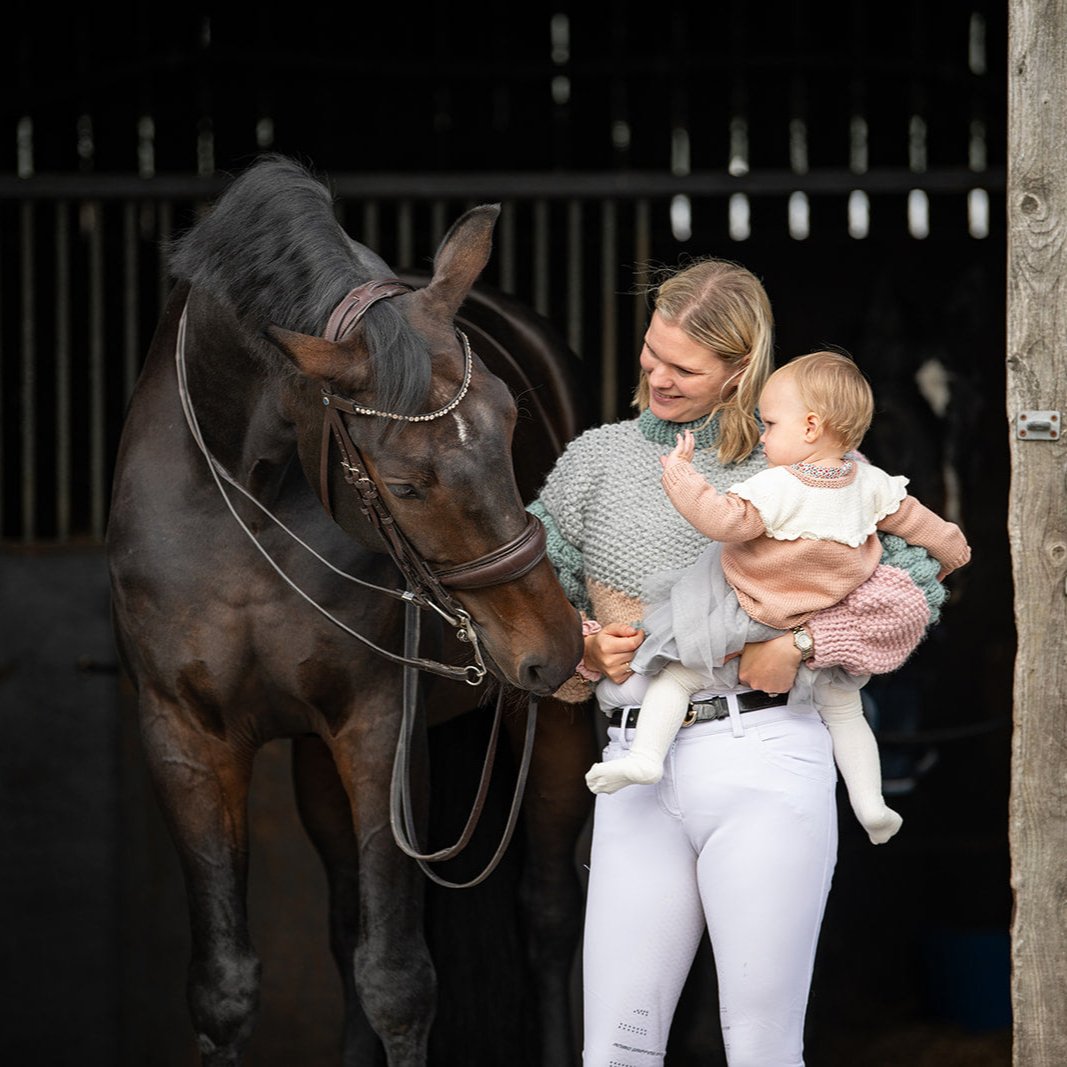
(662, 712)
(856, 755)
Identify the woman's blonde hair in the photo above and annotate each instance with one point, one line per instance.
(832, 386)
(725, 308)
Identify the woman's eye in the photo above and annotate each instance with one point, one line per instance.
(404, 492)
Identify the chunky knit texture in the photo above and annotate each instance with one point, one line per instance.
(610, 527)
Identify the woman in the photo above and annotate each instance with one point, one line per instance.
(740, 834)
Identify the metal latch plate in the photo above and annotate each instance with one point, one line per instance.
(1038, 425)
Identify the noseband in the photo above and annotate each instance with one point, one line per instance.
(429, 584)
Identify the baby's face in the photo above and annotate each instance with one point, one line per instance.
(786, 438)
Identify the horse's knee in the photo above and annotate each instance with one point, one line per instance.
(398, 992)
(223, 991)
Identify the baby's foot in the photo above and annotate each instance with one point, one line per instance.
(880, 822)
(633, 769)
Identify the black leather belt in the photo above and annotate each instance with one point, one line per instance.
(709, 709)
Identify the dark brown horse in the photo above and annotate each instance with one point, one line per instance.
(253, 599)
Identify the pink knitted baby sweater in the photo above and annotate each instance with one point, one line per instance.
(796, 541)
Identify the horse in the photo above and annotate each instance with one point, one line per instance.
(314, 456)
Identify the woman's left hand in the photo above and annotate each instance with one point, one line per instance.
(770, 665)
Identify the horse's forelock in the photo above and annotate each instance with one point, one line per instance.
(272, 249)
(400, 361)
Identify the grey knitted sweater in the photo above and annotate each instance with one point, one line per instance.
(611, 526)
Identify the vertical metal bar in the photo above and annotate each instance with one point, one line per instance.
(165, 216)
(642, 257)
(438, 223)
(3, 406)
(405, 234)
(574, 275)
(64, 450)
(609, 339)
(28, 391)
(97, 414)
(370, 224)
(507, 247)
(131, 311)
(540, 264)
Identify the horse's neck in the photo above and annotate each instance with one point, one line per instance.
(237, 395)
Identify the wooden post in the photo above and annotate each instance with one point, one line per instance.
(1037, 523)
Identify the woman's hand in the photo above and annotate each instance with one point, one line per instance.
(610, 650)
(682, 452)
(770, 665)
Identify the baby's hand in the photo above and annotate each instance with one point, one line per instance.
(683, 451)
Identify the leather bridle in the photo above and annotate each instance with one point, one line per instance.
(428, 587)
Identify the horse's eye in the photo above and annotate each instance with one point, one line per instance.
(404, 492)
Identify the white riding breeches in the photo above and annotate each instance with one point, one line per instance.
(739, 835)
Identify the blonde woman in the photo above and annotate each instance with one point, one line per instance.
(740, 834)
(791, 540)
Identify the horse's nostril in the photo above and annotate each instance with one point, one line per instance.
(541, 678)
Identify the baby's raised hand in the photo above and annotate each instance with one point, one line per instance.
(683, 451)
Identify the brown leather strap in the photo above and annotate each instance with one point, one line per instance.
(354, 306)
(519, 556)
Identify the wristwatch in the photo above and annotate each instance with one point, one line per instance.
(802, 640)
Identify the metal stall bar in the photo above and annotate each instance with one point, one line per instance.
(131, 319)
(573, 301)
(94, 210)
(63, 432)
(540, 265)
(609, 335)
(28, 405)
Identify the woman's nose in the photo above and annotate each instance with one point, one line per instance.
(658, 376)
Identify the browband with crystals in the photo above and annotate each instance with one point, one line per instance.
(343, 320)
(352, 408)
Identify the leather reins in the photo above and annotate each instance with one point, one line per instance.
(429, 588)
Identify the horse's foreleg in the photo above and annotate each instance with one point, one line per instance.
(325, 812)
(391, 964)
(202, 786)
(557, 805)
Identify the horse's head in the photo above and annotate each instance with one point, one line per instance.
(431, 428)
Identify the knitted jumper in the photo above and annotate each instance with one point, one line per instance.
(797, 539)
(610, 526)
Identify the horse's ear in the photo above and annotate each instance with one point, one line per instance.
(318, 358)
(462, 256)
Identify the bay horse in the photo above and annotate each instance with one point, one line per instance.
(294, 386)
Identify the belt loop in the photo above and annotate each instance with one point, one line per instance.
(735, 715)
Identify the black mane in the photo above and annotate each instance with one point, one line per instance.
(272, 250)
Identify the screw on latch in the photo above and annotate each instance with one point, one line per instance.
(1038, 425)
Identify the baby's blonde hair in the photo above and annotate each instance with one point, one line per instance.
(722, 306)
(835, 389)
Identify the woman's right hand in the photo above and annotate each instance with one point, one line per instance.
(610, 650)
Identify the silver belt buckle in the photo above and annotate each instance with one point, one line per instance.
(719, 703)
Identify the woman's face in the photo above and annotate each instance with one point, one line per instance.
(685, 379)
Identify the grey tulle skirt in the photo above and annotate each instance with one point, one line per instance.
(694, 618)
